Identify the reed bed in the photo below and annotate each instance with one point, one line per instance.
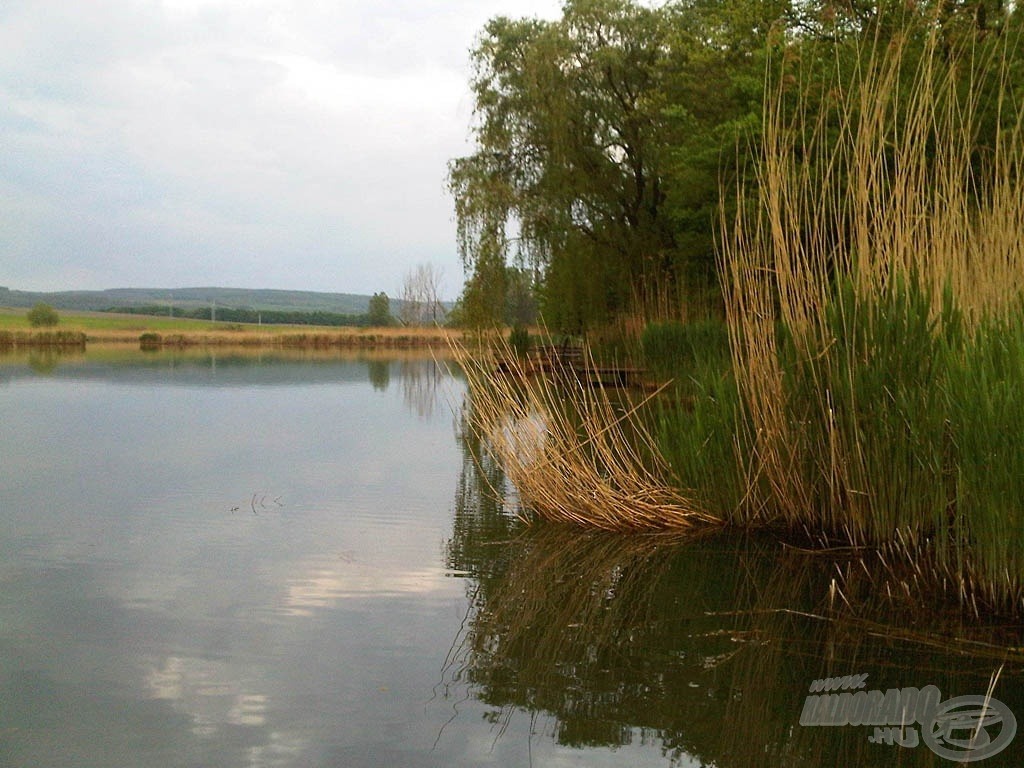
(874, 390)
(875, 300)
(31, 339)
(572, 453)
(241, 336)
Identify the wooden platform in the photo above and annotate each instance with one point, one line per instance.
(560, 360)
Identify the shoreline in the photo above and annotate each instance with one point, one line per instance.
(79, 330)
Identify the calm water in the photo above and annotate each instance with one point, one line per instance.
(237, 560)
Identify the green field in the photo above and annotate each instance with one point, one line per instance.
(12, 319)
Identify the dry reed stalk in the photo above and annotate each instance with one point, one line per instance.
(874, 207)
(41, 339)
(399, 339)
(603, 472)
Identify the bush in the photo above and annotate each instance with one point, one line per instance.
(42, 315)
(519, 340)
(149, 341)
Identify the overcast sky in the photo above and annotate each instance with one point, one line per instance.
(246, 143)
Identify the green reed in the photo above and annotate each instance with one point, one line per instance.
(985, 400)
(695, 420)
(874, 301)
(907, 423)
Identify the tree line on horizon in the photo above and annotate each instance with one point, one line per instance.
(610, 143)
(412, 310)
(248, 315)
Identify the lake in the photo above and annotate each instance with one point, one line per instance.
(220, 559)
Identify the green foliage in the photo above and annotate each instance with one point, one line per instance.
(986, 424)
(150, 341)
(485, 293)
(570, 141)
(695, 421)
(251, 316)
(871, 412)
(681, 350)
(699, 432)
(379, 312)
(519, 340)
(910, 423)
(520, 301)
(603, 138)
(42, 316)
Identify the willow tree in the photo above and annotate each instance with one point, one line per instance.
(567, 176)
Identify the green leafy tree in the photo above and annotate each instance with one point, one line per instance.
(485, 293)
(42, 316)
(569, 157)
(600, 140)
(379, 311)
(603, 139)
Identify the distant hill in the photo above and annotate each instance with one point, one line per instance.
(192, 298)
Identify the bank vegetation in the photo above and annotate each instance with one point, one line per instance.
(853, 372)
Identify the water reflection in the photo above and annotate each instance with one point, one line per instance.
(44, 361)
(222, 560)
(422, 385)
(154, 611)
(380, 374)
(209, 691)
(421, 376)
(325, 581)
(704, 649)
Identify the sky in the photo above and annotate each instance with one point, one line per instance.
(296, 144)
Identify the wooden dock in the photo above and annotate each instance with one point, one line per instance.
(570, 361)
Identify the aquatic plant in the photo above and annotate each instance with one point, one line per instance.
(874, 303)
(573, 454)
(874, 286)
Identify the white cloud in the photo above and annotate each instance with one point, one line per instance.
(270, 143)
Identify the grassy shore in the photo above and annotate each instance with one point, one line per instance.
(869, 390)
(113, 328)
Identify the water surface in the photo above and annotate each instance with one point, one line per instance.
(257, 560)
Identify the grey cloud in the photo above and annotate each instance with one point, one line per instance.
(265, 143)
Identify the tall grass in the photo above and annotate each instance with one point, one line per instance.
(874, 301)
(872, 389)
(16, 339)
(573, 453)
(695, 423)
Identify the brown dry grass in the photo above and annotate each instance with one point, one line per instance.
(278, 338)
(573, 455)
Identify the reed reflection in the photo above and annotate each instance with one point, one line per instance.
(705, 647)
